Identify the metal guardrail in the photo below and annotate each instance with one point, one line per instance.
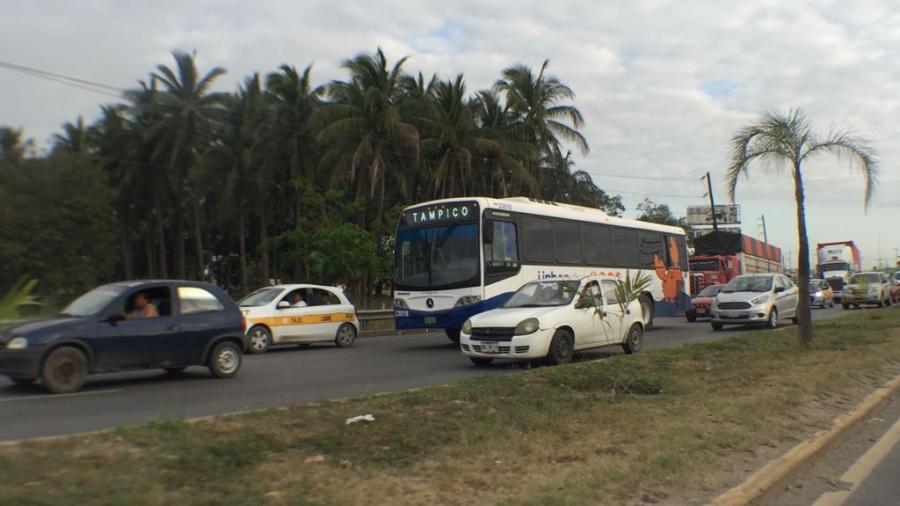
(367, 316)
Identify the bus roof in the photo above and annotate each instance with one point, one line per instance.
(554, 209)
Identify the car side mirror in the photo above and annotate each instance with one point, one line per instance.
(283, 305)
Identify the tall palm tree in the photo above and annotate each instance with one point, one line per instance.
(13, 146)
(74, 138)
(501, 167)
(364, 128)
(787, 138)
(542, 119)
(187, 109)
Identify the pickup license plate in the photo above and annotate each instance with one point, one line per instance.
(490, 348)
(430, 320)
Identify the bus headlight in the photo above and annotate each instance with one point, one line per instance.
(17, 343)
(529, 326)
(400, 303)
(467, 327)
(468, 300)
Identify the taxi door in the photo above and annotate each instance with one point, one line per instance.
(587, 321)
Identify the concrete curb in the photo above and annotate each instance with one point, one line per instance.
(777, 474)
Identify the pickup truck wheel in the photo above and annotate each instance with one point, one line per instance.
(634, 341)
(346, 335)
(562, 348)
(64, 370)
(481, 361)
(225, 360)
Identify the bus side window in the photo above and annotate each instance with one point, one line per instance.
(502, 254)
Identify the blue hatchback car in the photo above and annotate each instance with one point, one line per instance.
(127, 326)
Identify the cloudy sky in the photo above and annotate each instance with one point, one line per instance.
(662, 84)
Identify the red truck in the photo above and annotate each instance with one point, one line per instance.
(720, 256)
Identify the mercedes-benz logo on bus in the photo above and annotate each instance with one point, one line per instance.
(429, 303)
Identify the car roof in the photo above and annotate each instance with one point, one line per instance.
(759, 275)
(306, 285)
(138, 282)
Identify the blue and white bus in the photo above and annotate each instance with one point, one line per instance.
(459, 257)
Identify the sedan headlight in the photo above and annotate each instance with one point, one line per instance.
(468, 300)
(529, 326)
(17, 343)
(467, 327)
(760, 299)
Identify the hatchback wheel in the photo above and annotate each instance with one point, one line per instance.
(562, 348)
(64, 370)
(346, 335)
(225, 360)
(260, 339)
(772, 322)
(634, 341)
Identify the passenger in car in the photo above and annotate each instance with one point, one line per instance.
(142, 308)
(297, 299)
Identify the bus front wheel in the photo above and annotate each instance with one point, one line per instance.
(646, 311)
(453, 335)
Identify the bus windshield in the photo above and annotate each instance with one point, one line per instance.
(437, 257)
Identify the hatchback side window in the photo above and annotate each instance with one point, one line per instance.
(155, 302)
(590, 295)
(195, 300)
(319, 297)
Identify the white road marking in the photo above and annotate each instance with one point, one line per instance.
(862, 468)
(49, 396)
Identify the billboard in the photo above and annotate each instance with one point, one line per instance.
(725, 215)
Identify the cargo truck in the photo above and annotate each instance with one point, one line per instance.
(837, 261)
(720, 256)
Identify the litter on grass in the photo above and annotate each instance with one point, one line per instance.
(361, 418)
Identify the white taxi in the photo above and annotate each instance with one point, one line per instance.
(299, 314)
(553, 319)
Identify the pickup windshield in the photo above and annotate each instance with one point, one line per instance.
(748, 284)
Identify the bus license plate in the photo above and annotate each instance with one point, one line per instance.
(490, 348)
(430, 320)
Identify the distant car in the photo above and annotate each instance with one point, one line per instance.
(702, 303)
(867, 288)
(820, 294)
(125, 326)
(553, 319)
(274, 317)
(755, 299)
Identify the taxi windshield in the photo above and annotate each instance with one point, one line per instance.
(260, 297)
(543, 294)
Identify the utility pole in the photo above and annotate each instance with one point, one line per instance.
(712, 203)
(765, 234)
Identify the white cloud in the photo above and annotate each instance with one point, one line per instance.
(662, 84)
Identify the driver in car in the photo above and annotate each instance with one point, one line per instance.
(142, 308)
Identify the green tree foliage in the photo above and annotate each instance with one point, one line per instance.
(661, 213)
(788, 139)
(283, 178)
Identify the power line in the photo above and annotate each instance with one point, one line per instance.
(656, 178)
(64, 79)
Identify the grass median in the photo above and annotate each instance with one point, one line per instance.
(659, 426)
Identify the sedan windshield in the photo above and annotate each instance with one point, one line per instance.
(437, 257)
(866, 278)
(710, 291)
(260, 297)
(544, 294)
(94, 301)
(748, 284)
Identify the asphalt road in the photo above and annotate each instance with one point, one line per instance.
(282, 376)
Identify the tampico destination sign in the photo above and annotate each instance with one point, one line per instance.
(440, 214)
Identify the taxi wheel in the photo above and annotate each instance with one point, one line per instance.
(345, 336)
(562, 348)
(260, 339)
(64, 370)
(634, 341)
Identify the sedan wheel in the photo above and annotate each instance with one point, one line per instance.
(773, 319)
(345, 336)
(260, 339)
(634, 341)
(64, 370)
(562, 348)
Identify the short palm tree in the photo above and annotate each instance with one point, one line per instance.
(787, 138)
